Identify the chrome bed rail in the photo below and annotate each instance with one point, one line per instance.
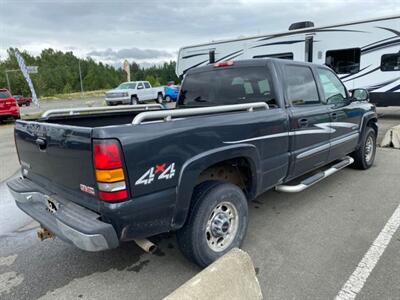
(168, 114)
(103, 109)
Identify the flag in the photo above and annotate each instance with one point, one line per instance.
(25, 72)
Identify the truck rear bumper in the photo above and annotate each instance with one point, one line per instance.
(68, 221)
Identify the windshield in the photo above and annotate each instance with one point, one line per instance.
(126, 86)
(4, 94)
(227, 86)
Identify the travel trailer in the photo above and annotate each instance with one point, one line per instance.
(364, 54)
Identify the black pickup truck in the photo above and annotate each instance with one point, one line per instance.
(97, 177)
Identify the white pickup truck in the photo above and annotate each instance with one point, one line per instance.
(134, 92)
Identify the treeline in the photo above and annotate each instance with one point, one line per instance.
(59, 73)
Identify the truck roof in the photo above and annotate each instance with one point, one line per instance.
(254, 62)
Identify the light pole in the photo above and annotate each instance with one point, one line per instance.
(80, 77)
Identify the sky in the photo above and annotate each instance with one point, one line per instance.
(151, 32)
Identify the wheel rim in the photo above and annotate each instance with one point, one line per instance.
(168, 98)
(369, 149)
(134, 101)
(159, 98)
(222, 226)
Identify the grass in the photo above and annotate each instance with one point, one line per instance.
(75, 95)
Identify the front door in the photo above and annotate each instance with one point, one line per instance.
(309, 120)
(345, 117)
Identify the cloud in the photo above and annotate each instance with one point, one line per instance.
(154, 29)
(130, 53)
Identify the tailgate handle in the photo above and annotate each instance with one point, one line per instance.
(41, 143)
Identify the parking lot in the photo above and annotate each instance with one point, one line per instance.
(304, 245)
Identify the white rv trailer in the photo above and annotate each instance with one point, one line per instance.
(364, 54)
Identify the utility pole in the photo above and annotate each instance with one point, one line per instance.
(80, 77)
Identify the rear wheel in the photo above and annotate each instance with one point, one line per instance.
(28, 103)
(364, 156)
(217, 222)
(168, 99)
(134, 100)
(159, 98)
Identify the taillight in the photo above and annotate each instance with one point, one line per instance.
(110, 176)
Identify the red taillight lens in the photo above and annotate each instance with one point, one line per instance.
(107, 154)
(110, 176)
(113, 196)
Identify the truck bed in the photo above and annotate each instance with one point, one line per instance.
(93, 120)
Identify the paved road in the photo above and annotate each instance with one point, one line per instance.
(303, 246)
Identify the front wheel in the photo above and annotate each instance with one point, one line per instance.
(134, 100)
(365, 155)
(217, 222)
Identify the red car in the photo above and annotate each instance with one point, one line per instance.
(8, 106)
(21, 100)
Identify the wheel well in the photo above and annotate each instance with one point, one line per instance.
(372, 123)
(134, 96)
(236, 171)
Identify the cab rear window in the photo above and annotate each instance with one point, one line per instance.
(4, 94)
(227, 86)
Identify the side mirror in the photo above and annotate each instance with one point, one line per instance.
(360, 94)
(140, 88)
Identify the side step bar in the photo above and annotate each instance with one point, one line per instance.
(306, 183)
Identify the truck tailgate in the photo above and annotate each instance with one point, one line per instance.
(58, 157)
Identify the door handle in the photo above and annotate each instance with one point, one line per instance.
(41, 143)
(303, 122)
(334, 116)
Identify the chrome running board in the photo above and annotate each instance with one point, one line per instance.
(306, 183)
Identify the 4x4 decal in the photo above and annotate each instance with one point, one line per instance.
(161, 171)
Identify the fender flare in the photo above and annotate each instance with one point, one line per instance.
(192, 168)
(367, 117)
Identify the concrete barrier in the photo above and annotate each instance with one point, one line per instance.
(231, 277)
(392, 138)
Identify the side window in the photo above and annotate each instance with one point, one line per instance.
(140, 85)
(301, 86)
(390, 62)
(146, 85)
(344, 61)
(334, 90)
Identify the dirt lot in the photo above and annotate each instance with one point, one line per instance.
(304, 246)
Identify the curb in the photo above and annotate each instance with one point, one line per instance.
(230, 277)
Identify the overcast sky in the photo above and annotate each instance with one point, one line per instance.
(151, 31)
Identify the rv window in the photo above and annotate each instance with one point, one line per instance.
(345, 61)
(227, 86)
(278, 55)
(390, 62)
(301, 87)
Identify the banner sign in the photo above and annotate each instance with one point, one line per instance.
(25, 72)
(127, 69)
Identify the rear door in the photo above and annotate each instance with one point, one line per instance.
(310, 119)
(58, 157)
(345, 117)
(149, 91)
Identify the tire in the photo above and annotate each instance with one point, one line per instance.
(200, 238)
(168, 99)
(159, 98)
(365, 155)
(134, 100)
(28, 103)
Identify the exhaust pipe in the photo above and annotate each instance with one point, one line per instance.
(44, 234)
(146, 245)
